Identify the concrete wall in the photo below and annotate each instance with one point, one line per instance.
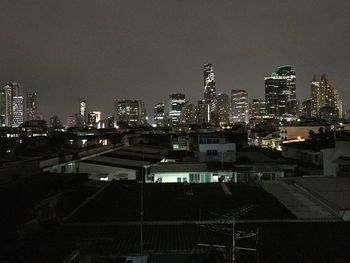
(342, 148)
(97, 171)
(225, 152)
(288, 133)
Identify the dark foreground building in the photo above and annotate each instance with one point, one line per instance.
(180, 223)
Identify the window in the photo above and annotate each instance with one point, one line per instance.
(179, 179)
(212, 152)
(195, 178)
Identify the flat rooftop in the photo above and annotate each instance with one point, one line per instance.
(120, 202)
(312, 197)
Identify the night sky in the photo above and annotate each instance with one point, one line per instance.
(68, 50)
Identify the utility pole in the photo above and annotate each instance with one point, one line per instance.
(141, 208)
(233, 238)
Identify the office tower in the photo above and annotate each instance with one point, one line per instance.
(280, 93)
(130, 112)
(158, 114)
(72, 121)
(55, 122)
(306, 108)
(210, 90)
(18, 111)
(31, 108)
(223, 109)
(176, 103)
(202, 112)
(83, 112)
(2, 107)
(188, 114)
(240, 106)
(258, 109)
(94, 117)
(323, 94)
(9, 92)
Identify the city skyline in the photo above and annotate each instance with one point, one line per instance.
(137, 50)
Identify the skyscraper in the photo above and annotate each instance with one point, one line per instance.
(9, 92)
(203, 112)
(223, 109)
(188, 114)
(159, 113)
(323, 94)
(306, 108)
(83, 112)
(280, 93)
(130, 112)
(209, 90)
(258, 109)
(176, 103)
(55, 122)
(31, 108)
(2, 107)
(94, 117)
(18, 111)
(240, 106)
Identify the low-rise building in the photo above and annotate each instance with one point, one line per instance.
(216, 148)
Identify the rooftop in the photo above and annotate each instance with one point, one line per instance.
(176, 201)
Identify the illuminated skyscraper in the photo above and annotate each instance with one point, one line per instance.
(18, 111)
(9, 92)
(83, 112)
(210, 90)
(258, 109)
(94, 117)
(176, 103)
(323, 94)
(202, 112)
(280, 93)
(159, 113)
(2, 107)
(188, 114)
(31, 108)
(223, 109)
(130, 112)
(240, 106)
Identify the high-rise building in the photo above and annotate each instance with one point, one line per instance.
(306, 108)
(280, 93)
(323, 94)
(31, 108)
(188, 114)
(18, 111)
(240, 106)
(83, 112)
(158, 114)
(258, 109)
(203, 112)
(223, 109)
(176, 103)
(210, 90)
(130, 112)
(94, 117)
(72, 121)
(9, 92)
(2, 107)
(55, 122)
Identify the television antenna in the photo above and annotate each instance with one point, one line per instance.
(226, 225)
